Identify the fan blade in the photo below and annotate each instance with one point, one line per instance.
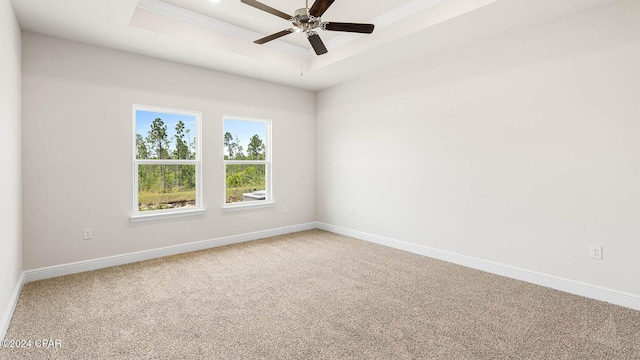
(319, 7)
(274, 36)
(270, 10)
(348, 27)
(317, 43)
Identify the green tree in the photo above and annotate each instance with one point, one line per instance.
(182, 147)
(239, 150)
(228, 143)
(158, 141)
(233, 146)
(192, 153)
(256, 148)
(141, 148)
(181, 152)
(142, 153)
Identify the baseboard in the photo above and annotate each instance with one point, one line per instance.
(558, 283)
(567, 285)
(11, 307)
(101, 263)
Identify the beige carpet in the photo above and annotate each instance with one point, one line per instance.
(313, 295)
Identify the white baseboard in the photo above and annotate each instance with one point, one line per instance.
(554, 282)
(567, 285)
(11, 307)
(101, 263)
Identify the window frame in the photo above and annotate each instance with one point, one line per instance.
(267, 162)
(137, 215)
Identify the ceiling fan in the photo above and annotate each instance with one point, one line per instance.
(308, 20)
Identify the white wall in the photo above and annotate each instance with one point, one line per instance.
(521, 150)
(77, 149)
(10, 181)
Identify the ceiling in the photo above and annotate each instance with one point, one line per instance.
(219, 35)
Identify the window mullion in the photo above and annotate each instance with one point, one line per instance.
(246, 162)
(165, 162)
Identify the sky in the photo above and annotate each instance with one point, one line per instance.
(145, 118)
(244, 130)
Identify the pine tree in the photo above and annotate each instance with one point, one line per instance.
(256, 148)
(158, 141)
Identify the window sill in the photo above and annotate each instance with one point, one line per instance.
(234, 208)
(166, 215)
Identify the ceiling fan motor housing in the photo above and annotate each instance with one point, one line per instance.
(304, 21)
(301, 14)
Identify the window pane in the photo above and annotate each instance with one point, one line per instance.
(165, 136)
(245, 140)
(166, 187)
(246, 183)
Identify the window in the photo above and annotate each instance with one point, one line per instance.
(247, 162)
(166, 158)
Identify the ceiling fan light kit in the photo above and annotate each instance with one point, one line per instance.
(308, 20)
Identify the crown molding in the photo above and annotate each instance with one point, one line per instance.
(401, 12)
(191, 17)
(389, 18)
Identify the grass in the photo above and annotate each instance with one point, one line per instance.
(235, 194)
(154, 201)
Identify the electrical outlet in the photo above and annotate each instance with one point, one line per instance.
(595, 252)
(284, 209)
(87, 233)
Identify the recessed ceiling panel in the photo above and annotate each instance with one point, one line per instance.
(405, 29)
(236, 13)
